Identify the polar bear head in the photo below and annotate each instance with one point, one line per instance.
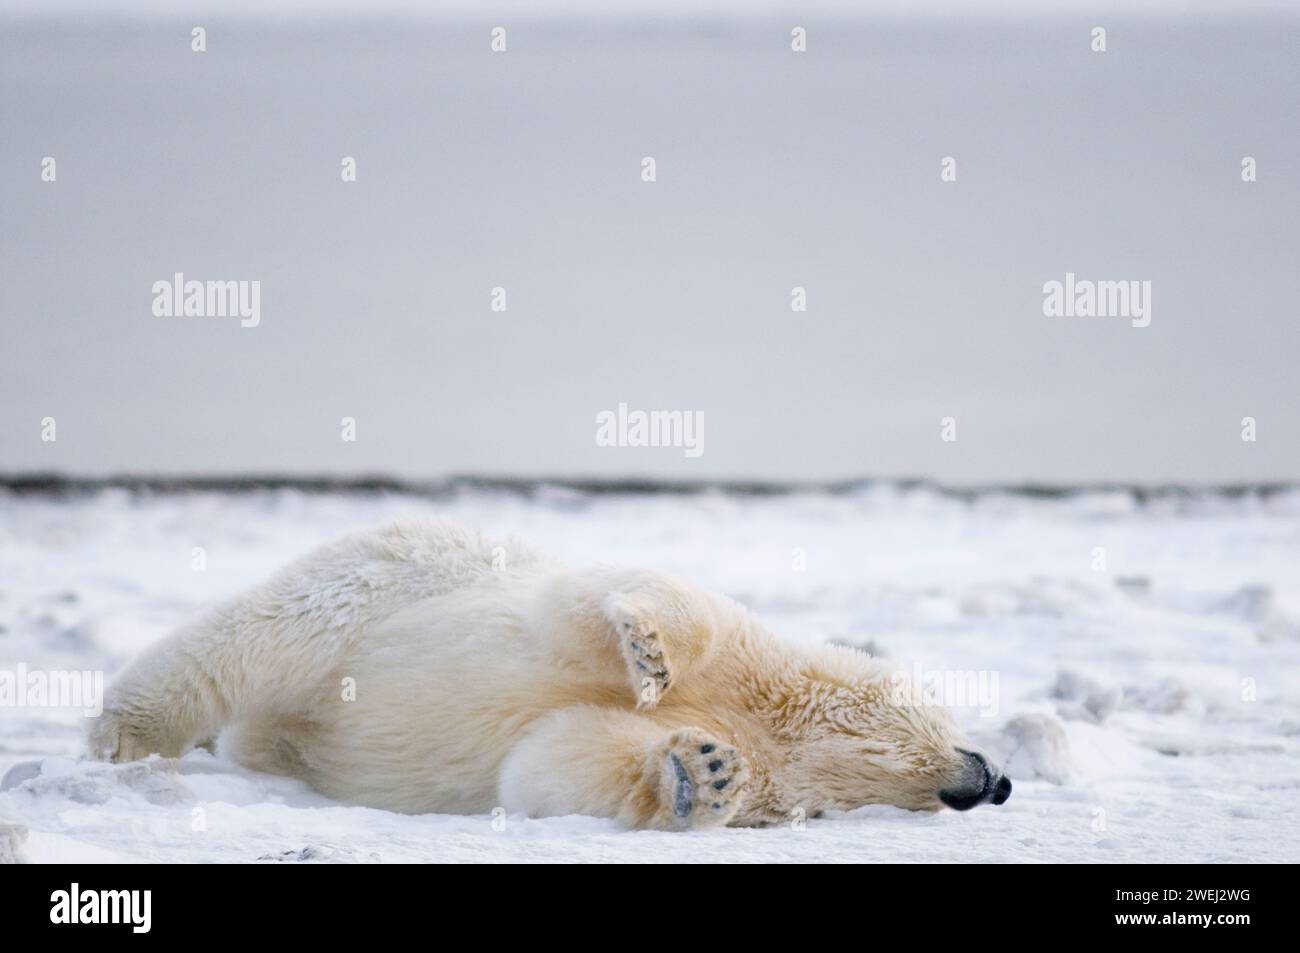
(860, 734)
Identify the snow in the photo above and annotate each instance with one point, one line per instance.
(1139, 665)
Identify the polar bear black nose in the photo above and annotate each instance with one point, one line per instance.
(978, 783)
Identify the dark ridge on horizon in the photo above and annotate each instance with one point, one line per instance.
(58, 484)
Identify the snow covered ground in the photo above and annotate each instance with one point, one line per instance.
(1140, 666)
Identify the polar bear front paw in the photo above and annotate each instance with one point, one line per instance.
(703, 780)
(644, 652)
(113, 737)
(108, 741)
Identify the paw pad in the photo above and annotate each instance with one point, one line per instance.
(695, 765)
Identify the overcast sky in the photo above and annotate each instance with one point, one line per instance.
(774, 170)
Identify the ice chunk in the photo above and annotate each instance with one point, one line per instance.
(12, 838)
(1084, 698)
(1032, 746)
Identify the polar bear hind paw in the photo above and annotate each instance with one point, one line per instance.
(704, 779)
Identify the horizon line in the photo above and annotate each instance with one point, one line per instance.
(57, 483)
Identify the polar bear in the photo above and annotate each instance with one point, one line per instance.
(425, 667)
